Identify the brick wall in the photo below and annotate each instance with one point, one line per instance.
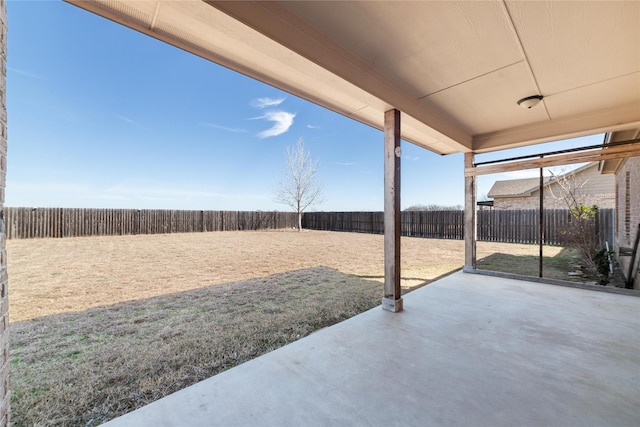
(628, 208)
(4, 302)
(588, 185)
(603, 201)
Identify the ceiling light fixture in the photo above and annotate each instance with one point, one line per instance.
(530, 101)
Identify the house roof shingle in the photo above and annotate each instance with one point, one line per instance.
(515, 187)
(524, 187)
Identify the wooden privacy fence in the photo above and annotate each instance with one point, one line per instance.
(431, 224)
(25, 223)
(509, 226)
(521, 226)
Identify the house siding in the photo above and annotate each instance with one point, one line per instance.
(603, 201)
(628, 207)
(599, 190)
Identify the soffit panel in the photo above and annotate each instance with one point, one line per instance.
(593, 122)
(611, 166)
(595, 97)
(625, 135)
(574, 44)
(415, 130)
(489, 103)
(446, 43)
(141, 12)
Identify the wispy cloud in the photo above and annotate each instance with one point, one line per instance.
(345, 163)
(266, 102)
(228, 129)
(313, 127)
(410, 158)
(130, 121)
(282, 121)
(123, 118)
(26, 74)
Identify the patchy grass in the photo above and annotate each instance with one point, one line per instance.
(556, 263)
(88, 367)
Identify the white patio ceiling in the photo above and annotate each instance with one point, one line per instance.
(454, 69)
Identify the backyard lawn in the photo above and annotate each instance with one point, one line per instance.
(103, 325)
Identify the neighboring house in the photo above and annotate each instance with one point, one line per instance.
(586, 183)
(627, 190)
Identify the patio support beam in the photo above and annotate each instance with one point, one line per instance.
(392, 299)
(541, 222)
(622, 150)
(469, 214)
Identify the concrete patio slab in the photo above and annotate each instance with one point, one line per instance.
(468, 350)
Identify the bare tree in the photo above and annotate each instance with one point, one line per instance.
(581, 231)
(299, 187)
(571, 189)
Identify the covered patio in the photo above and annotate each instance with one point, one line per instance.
(467, 350)
(449, 77)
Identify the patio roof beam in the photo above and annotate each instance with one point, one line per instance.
(608, 144)
(392, 299)
(608, 153)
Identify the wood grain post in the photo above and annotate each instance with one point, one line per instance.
(541, 222)
(469, 215)
(392, 299)
(5, 394)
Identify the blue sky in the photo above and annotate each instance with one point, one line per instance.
(102, 116)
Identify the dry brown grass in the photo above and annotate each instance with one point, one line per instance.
(101, 326)
(51, 276)
(85, 368)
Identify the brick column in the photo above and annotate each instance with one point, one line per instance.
(4, 302)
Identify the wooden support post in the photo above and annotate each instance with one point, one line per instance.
(470, 232)
(541, 236)
(392, 299)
